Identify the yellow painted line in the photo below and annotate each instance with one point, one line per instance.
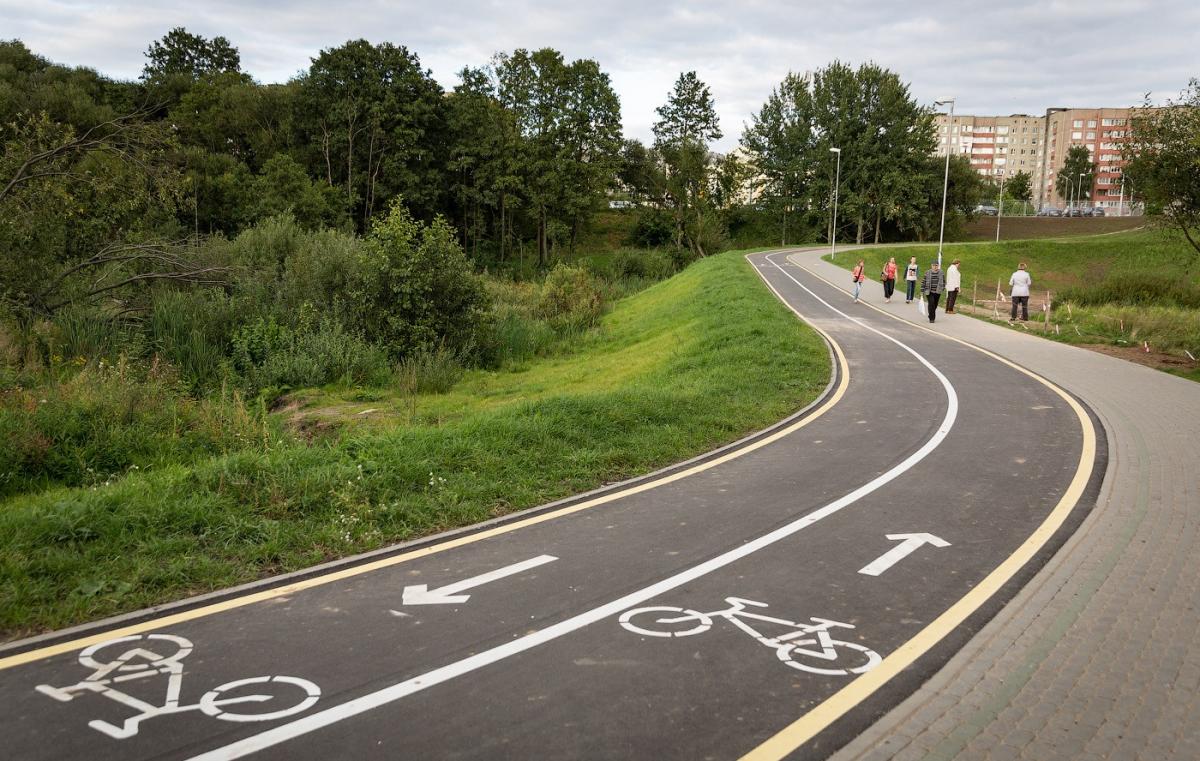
(837, 705)
(317, 581)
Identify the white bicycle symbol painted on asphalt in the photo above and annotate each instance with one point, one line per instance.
(138, 661)
(807, 647)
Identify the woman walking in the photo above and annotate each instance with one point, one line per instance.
(889, 278)
(911, 273)
(860, 274)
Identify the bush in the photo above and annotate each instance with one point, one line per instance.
(191, 331)
(429, 372)
(571, 298)
(647, 265)
(414, 289)
(270, 355)
(80, 332)
(654, 228)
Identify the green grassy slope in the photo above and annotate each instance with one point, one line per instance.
(674, 370)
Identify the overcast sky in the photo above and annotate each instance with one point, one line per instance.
(996, 57)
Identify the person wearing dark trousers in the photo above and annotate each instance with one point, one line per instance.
(932, 286)
(911, 275)
(953, 284)
(1020, 282)
(888, 276)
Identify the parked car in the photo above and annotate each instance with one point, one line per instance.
(1098, 211)
(1050, 211)
(987, 211)
(1075, 212)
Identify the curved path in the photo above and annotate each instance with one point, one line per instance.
(774, 597)
(1098, 657)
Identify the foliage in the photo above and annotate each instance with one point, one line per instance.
(1163, 162)
(687, 123)
(1078, 173)
(317, 352)
(429, 371)
(414, 288)
(181, 52)
(571, 298)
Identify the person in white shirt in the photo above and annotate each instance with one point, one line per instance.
(953, 284)
(1020, 282)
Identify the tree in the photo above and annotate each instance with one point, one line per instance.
(374, 121)
(569, 120)
(1069, 183)
(1163, 162)
(687, 123)
(180, 52)
(781, 143)
(1019, 187)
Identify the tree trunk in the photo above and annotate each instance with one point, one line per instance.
(878, 220)
(861, 223)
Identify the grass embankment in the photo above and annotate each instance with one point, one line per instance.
(674, 370)
(1113, 290)
(1025, 228)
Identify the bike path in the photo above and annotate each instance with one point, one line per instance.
(599, 689)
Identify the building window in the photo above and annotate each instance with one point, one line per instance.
(1077, 123)
(1091, 136)
(1076, 135)
(1091, 123)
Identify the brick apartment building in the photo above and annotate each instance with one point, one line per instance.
(1004, 145)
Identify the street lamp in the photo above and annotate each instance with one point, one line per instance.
(1000, 206)
(946, 178)
(1079, 188)
(1121, 203)
(833, 222)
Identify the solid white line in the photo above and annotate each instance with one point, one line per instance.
(365, 703)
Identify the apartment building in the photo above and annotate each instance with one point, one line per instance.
(1102, 131)
(995, 145)
(1004, 145)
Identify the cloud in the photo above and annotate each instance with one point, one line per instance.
(999, 58)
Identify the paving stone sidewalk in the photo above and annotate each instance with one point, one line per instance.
(1098, 657)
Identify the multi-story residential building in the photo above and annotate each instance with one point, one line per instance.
(1102, 131)
(1004, 145)
(995, 145)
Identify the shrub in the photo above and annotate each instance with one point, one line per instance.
(429, 372)
(571, 298)
(654, 228)
(414, 288)
(190, 330)
(648, 265)
(270, 355)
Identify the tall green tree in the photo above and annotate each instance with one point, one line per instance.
(780, 140)
(1163, 162)
(569, 119)
(1074, 180)
(181, 52)
(686, 124)
(374, 123)
(1019, 187)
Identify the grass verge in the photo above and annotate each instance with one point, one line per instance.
(672, 371)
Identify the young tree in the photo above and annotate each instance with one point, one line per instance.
(687, 123)
(1076, 175)
(1019, 187)
(1163, 162)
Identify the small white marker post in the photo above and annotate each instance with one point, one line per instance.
(421, 594)
(909, 544)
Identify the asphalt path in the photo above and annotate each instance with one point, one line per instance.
(771, 599)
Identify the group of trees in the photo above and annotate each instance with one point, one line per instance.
(889, 177)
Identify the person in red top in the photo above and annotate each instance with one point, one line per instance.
(860, 274)
(888, 276)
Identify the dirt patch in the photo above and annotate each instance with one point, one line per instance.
(1156, 359)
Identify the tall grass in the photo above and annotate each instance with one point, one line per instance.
(429, 372)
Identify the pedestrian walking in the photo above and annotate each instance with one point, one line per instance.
(860, 274)
(932, 286)
(1020, 282)
(911, 274)
(888, 276)
(953, 285)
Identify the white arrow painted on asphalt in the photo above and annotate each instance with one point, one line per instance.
(906, 547)
(421, 594)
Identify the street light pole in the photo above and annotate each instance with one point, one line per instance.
(833, 222)
(1121, 203)
(946, 177)
(1079, 189)
(1000, 206)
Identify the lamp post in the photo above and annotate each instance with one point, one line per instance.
(1121, 203)
(833, 222)
(1000, 206)
(1079, 188)
(946, 177)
